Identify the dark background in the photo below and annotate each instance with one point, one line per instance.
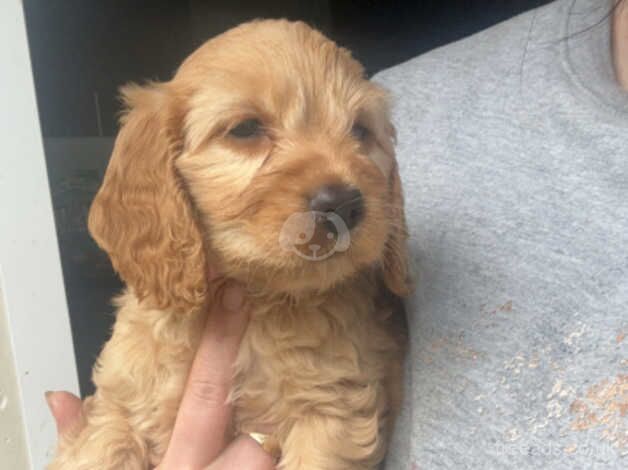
(83, 50)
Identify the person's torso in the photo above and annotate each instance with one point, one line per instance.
(516, 184)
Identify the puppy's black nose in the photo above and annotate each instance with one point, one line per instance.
(344, 201)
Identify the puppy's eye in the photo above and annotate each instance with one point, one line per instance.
(247, 129)
(360, 132)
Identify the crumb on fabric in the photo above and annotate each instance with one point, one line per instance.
(570, 449)
(604, 406)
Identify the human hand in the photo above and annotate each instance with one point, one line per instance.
(199, 437)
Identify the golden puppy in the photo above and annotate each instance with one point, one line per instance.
(270, 158)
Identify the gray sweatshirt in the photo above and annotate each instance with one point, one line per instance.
(513, 149)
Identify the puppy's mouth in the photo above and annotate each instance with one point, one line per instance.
(324, 242)
(315, 235)
(315, 252)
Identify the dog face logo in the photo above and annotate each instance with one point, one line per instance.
(314, 235)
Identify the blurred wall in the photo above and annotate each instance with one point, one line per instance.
(35, 344)
(83, 50)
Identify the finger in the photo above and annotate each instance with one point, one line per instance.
(204, 414)
(66, 409)
(244, 454)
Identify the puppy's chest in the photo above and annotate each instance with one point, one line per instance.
(293, 356)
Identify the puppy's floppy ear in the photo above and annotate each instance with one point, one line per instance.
(395, 267)
(142, 216)
(395, 270)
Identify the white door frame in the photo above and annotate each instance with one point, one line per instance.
(31, 280)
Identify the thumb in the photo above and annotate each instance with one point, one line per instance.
(66, 408)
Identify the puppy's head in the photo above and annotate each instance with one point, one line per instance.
(268, 156)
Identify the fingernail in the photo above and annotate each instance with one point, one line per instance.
(233, 297)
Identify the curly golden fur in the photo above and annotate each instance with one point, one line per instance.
(319, 367)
